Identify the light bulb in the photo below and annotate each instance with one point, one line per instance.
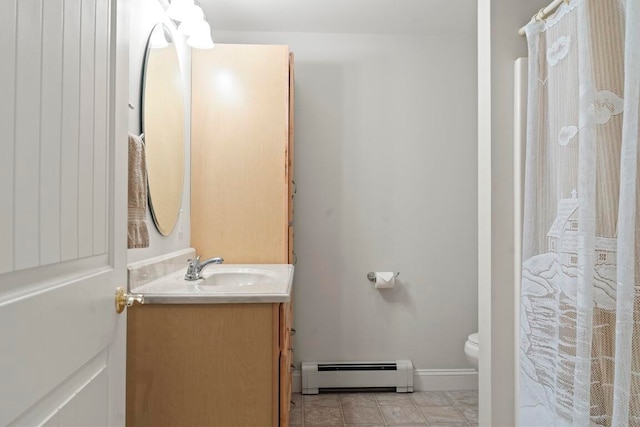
(201, 36)
(193, 17)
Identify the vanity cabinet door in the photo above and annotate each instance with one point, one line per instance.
(202, 365)
(240, 153)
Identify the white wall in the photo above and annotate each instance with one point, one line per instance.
(499, 46)
(144, 15)
(386, 172)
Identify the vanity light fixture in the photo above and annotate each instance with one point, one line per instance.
(192, 23)
(178, 9)
(192, 18)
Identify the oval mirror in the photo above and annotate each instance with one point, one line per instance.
(163, 128)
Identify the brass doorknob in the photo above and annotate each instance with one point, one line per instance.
(123, 299)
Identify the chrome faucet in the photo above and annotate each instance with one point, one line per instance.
(194, 270)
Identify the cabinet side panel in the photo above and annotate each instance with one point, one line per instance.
(275, 365)
(291, 157)
(286, 358)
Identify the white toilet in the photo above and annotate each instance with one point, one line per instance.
(471, 348)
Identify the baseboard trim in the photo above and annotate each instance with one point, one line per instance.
(445, 379)
(426, 380)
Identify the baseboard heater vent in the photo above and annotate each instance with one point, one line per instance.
(396, 374)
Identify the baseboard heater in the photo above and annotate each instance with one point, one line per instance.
(396, 374)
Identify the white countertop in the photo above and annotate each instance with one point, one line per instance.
(225, 283)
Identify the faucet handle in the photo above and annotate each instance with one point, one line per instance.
(194, 265)
(193, 268)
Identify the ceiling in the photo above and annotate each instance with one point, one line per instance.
(344, 16)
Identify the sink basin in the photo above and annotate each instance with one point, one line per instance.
(237, 277)
(224, 283)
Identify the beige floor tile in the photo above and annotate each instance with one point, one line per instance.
(430, 398)
(322, 415)
(441, 414)
(465, 397)
(358, 399)
(432, 408)
(394, 399)
(330, 400)
(401, 414)
(461, 393)
(469, 412)
(354, 414)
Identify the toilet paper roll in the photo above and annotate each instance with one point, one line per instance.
(385, 280)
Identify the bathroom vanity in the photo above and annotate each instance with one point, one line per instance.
(216, 351)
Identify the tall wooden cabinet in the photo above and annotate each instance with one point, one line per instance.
(242, 163)
(242, 153)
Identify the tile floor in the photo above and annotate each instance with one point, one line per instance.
(423, 408)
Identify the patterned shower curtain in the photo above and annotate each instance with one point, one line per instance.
(580, 304)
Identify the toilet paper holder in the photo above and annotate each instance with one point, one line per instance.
(372, 276)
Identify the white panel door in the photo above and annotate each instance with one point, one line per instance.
(63, 184)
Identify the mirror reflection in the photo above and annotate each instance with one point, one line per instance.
(163, 127)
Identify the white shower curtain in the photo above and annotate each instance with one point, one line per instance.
(580, 304)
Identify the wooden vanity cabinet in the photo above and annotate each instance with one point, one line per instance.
(209, 365)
